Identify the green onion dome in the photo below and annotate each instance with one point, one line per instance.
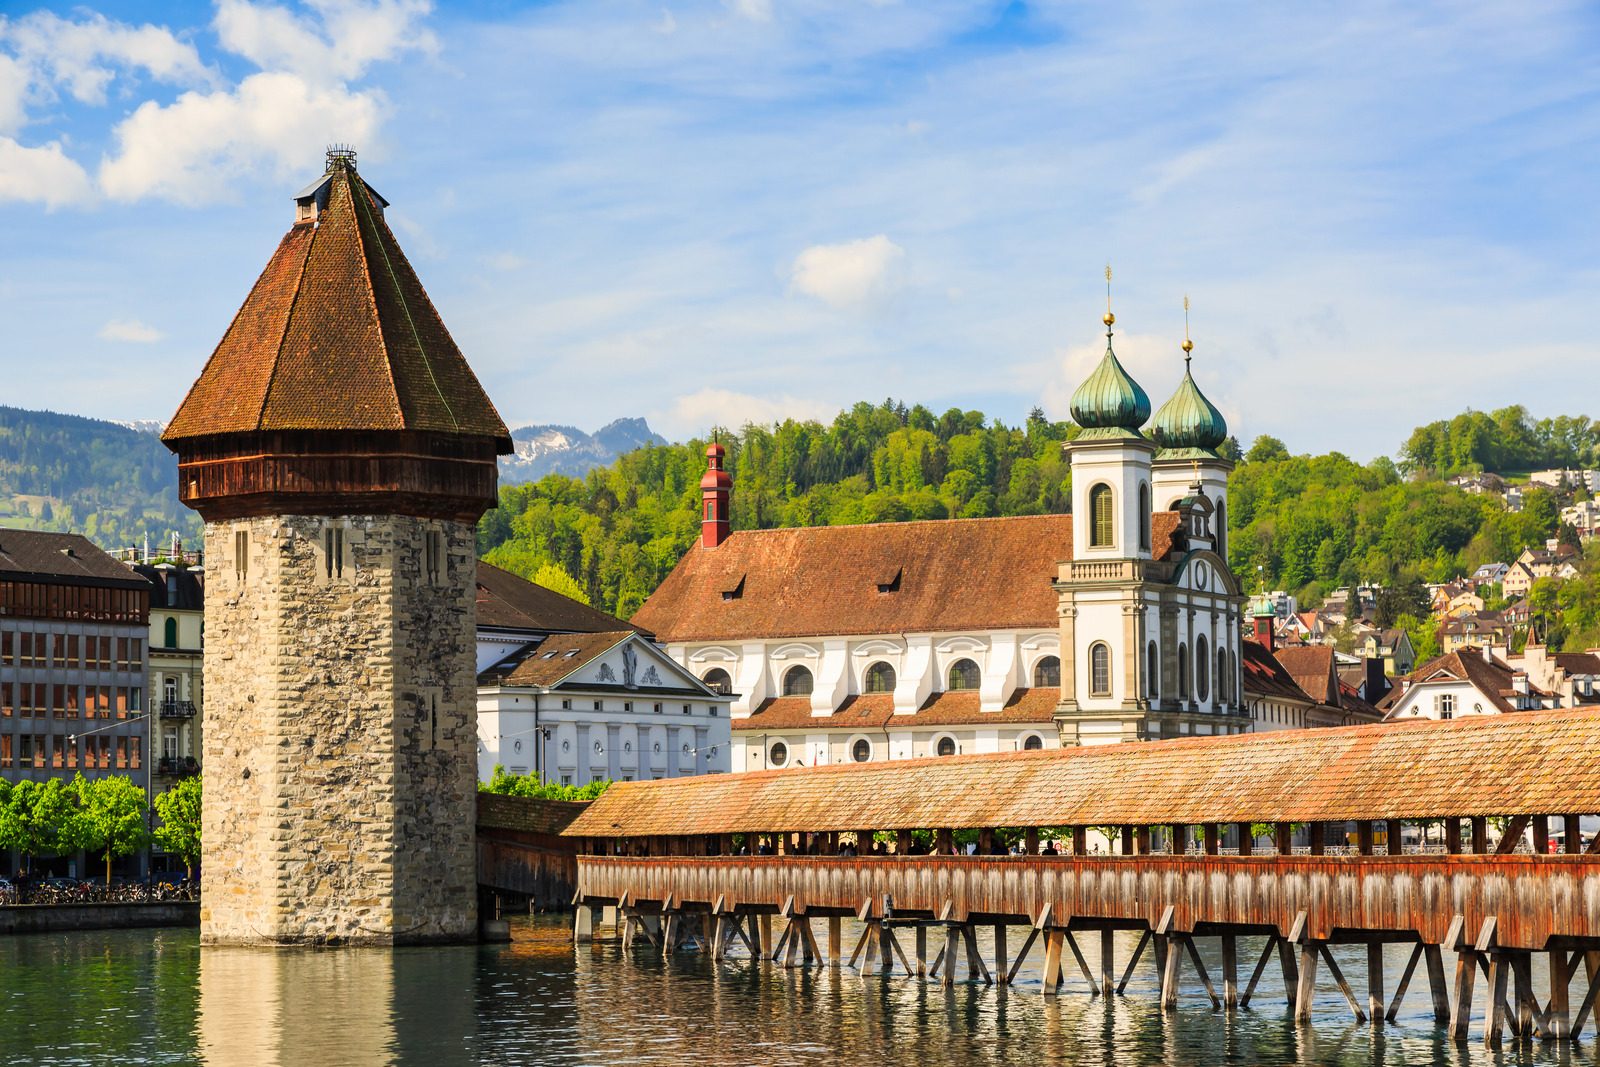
(1109, 403)
(1189, 421)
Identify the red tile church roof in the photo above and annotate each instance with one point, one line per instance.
(942, 575)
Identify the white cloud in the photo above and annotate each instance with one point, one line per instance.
(668, 24)
(130, 331)
(189, 150)
(754, 10)
(41, 174)
(699, 411)
(345, 38)
(81, 55)
(14, 81)
(851, 274)
(506, 261)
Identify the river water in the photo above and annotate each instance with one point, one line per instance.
(157, 997)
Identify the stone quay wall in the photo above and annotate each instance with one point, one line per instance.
(339, 730)
(61, 918)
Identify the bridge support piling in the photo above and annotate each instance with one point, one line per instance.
(1376, 1008)
(1050, 977)
(1558, 1016)
(1438, 988)
(1108, 963)
(1306, 986)
(835, 940)
(1000, 971)
(583, 924)
(1230, 972)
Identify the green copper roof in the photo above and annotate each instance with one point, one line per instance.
(1189, 420)
(1109, 399)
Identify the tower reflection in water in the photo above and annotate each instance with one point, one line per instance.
(296, 1007)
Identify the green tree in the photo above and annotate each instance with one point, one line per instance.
(111, 817)
(557, 580)
(38, 819)
(526, 785)
(1266, 449)
(179, 829)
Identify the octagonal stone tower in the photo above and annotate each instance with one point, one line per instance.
(340, 451)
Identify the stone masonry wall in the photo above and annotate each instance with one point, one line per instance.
(339, 735)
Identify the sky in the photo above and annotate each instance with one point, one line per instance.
(721, 212)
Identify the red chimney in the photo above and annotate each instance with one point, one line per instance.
(715, 488)
(1265, 617)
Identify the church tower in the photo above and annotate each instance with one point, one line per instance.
(340, 451)
(1190, 430)
(1103, 616)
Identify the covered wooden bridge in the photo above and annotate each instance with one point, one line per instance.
(1462, 836)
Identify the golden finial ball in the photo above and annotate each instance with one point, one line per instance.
(1109, 318)
(1188, 345)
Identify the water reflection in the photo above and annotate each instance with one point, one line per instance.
(155, 997)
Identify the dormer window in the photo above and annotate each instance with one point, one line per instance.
(305, 210)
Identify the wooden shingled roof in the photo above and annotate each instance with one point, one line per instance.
(932, 576)
(1536, 763)
(338, 334)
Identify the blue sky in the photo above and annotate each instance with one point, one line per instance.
(708, 213)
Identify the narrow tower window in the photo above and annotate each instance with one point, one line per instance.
(1202, 669)
(433, 553)
(1099, 669)
(1144, 516)
(333, 551)
(241, 554)
(1101, 532)
(1152, 671)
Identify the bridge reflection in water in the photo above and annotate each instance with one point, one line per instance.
(1205, 830)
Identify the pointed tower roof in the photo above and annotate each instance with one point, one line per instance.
(337, 334)
(337, 389)
(1188, 426)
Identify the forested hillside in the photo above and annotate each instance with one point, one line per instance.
(108, 482)
(1502, 442)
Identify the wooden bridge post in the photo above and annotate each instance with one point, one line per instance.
(1394, 837)
(583, 924)
(1375, 1004)
(1480, 835)
(1247, 840)
(1230, 972)
(1558, 1015)
(1108, 964)
(1305, 990)
(835, 940)
(1000, 966)
(1438, 988)
(1452, 836)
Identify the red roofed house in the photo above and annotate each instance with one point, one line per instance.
(1120, 621)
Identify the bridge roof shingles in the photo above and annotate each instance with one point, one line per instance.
(1528, 763)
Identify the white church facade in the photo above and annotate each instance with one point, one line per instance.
(1119, 621)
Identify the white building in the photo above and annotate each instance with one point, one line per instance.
(1120, 621)
(576, 708)
(1472, 681)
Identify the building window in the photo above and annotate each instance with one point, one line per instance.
(627, 705)
(1202, 669)
(241, 554)
(861, 751)
(1102, 533)
(797, 683)
(170, 633)
(945, 747)
(1100, 669)
(333, 551)
(1224, 682)
(599, 705)
(433, 555)
(1032, 743)
(718, 681)
(1144, 516)
(1152, 670)
(1222, 528)
(963, 675)
(1445, 705)
(778, 754)
(1047, 672)
(880, 678)
(1183, 671)
(657, 709)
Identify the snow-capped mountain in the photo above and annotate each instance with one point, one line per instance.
(542, 450)
(150, 426)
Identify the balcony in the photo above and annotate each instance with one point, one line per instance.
(177, 709)
(177, 766)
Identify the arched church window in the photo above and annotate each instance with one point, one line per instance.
(963, 675)
(797, 683)
(946, 746)
(718, 681)
(1144, 516)
(171, 633)
(1224, 682)
(880, 678)
(1102, 532)
(1152, 670)
(1047, 672)
(1202, 668)
(1100, 669)
(1222, 528)
(1033, 743)
(1183, 671)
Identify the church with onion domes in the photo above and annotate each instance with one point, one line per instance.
(1120, 621)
